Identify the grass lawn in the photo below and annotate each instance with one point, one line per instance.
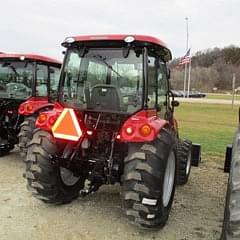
(223, 96)
(211, 125)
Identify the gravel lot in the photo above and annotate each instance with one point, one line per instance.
(197, 211)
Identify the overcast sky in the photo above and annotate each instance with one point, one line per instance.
(40, 25)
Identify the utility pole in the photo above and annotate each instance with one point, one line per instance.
(233, 88)
(185, 71)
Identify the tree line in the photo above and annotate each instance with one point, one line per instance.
(212, 70)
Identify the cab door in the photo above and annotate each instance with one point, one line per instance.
(162, 90)
(158, 86)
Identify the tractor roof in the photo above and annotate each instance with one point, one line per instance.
(33, 57)
(144, 40)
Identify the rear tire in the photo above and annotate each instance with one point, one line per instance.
(44, 176)
(231, 224)
(26, 133)
(184, 157)
(148, 182)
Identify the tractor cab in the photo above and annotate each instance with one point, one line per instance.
(25, 80)
(116, 73)
(24, 76)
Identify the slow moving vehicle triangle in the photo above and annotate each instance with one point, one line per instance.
(67, 126)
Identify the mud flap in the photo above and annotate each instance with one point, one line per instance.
(228, 158)
(196, 154)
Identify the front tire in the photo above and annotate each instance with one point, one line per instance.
(184, 161)
(148, 182)
(44, 176)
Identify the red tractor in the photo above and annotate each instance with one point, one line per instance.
(27, 83)
(113, 123)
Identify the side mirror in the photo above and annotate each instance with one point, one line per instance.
(239, 115)
(175, 103)
(168, 73)
(158, 107)
(51, 70)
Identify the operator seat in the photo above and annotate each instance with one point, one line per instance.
(105, 97)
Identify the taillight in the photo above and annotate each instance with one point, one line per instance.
(42, 118)
(26, 109)
(142, 127)
(89, 132)
(118, 137)
(129, 130)
(29, 108)
(145, 130)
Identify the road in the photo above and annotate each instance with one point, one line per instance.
(208, 101)
(197, 210)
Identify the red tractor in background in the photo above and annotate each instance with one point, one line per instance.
(27, 84)
(113, 123)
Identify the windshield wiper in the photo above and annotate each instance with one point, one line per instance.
(99, 57)
(14, 70)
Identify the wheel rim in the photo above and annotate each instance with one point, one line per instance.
(189, 162)
(67, 177)
(169, 179)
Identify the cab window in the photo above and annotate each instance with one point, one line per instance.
(54, 80)
(162, 88)
(152, 82)
(157, 84)
(41, 81)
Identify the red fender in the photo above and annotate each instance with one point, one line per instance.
(33, 105)
(142, 126)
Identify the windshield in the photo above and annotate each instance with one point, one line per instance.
(16, 79)
(45, 73)
(103, 79)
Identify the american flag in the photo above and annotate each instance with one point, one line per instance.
(186, 58)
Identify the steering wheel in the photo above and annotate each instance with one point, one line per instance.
(17, 89)
(2, 87)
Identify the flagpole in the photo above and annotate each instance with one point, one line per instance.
(189, 75)
(189, 69)
(185, 80)
(185, 72)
